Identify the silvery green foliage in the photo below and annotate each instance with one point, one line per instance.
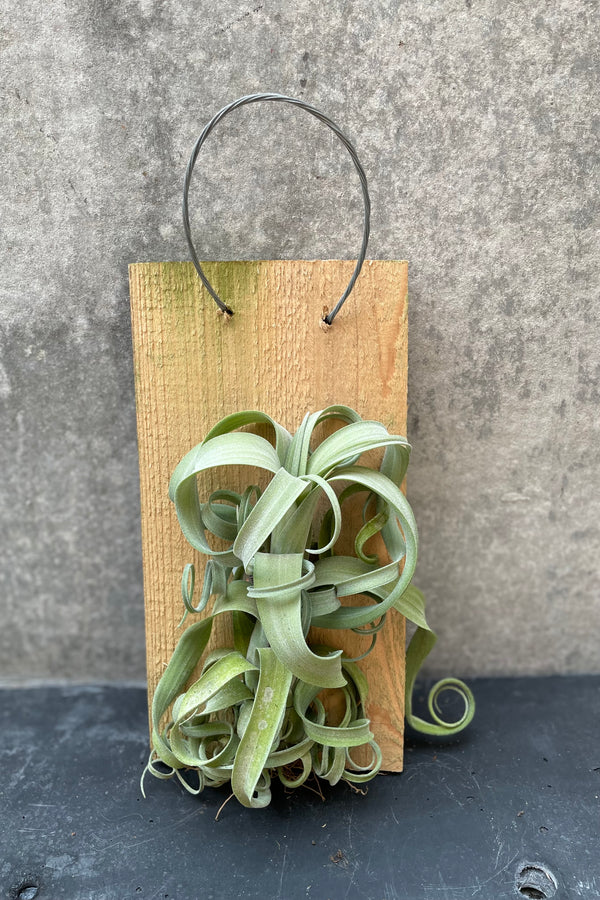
(255, 711)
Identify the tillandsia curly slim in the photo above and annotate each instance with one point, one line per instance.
(255, 711)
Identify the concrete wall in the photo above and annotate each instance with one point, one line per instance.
(477, 123)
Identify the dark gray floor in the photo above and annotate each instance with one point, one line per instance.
(520, 789)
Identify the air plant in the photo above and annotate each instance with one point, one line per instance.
(256, 711)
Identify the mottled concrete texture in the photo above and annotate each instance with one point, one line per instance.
(477, 123)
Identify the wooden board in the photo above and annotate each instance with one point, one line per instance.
(194, 366)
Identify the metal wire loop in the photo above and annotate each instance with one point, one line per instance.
(253, 98)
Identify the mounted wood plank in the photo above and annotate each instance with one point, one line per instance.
(194, 366)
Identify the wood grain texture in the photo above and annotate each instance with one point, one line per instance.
(193, 366)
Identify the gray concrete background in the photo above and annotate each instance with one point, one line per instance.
(477, 123)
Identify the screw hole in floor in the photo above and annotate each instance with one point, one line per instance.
(536, 882)
(28, 892)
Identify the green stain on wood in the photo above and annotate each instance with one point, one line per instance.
(233, 280)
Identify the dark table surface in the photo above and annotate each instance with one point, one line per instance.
(510, 809)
